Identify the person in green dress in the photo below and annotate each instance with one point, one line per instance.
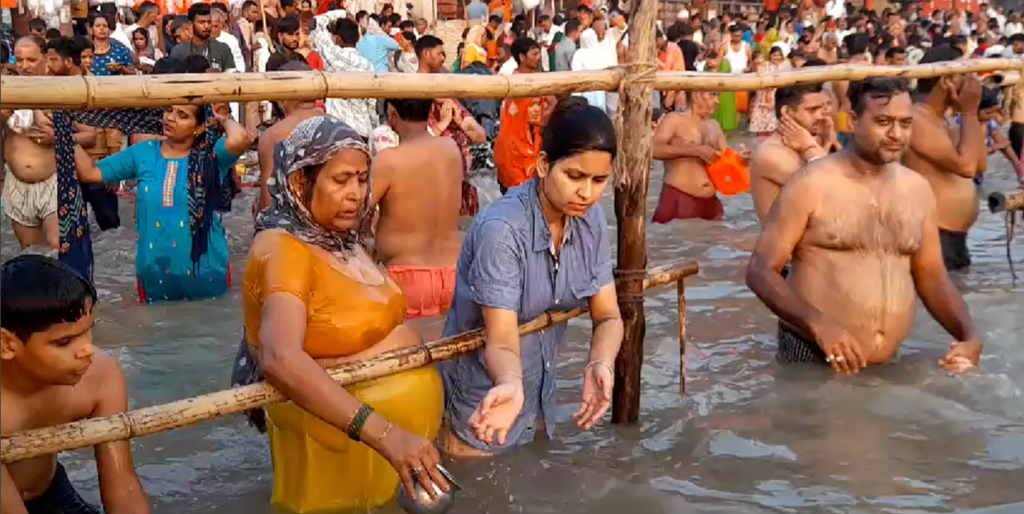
(727, 115)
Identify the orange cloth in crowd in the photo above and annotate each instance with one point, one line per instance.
(518, 143)
(79, 12)
(428, 290)
(842, 122)
(343, 316)
(8, 4)
(315, 61)
(742, 99)
(505, 6)
(671, 59)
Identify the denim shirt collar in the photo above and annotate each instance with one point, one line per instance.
(541, 231)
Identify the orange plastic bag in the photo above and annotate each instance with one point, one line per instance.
(741, 101)
(729, 175)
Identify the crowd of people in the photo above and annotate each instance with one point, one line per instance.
(865, 191)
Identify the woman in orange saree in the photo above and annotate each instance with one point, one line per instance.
(518, 143)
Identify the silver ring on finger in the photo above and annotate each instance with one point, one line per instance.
(830, 358)
(840, 358)
(416, 471)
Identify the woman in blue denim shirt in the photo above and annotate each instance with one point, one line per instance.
(542, 246)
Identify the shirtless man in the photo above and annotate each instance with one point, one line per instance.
(64, 59)
(858, 47)
(804, 133)
(949, 167)
(295, 112)
(30, 188)
(863, 236)
(688, 142)
(52, 374)
(418, 186)
(829, 51)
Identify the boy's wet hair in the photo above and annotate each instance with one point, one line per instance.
(411, 110)
(39, 292)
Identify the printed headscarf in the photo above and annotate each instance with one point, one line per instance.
(206, 192)
(313, 142)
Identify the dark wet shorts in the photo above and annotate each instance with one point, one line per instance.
(59, 498)
(677, 205)
(954, 249)
(795, 348)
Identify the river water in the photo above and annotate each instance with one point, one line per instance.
(747, 437)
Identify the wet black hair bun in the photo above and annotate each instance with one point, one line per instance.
(571, 104)
(575, 127)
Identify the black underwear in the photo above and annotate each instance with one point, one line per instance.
(794, 348)
(954, 249)
(59, 498)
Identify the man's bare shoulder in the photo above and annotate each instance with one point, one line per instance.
(925, 124)
(271, 136)
(676, 121)
(908, 179)
(773, 153)
(104, 378)
(412, 155)
(817, 176)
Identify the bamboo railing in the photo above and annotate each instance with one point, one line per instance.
(161, 418)
(154, 91)
(635, 84)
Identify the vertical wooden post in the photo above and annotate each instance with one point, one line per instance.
(681, 306)
(632, 169)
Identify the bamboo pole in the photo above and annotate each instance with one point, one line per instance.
(632, 169)
(92, 92)
(681, 314)
(161, 418)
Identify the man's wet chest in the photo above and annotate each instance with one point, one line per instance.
(880, 218)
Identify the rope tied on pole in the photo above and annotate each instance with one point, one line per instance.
(630, 275)
(637, 74)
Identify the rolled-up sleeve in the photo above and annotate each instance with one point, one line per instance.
(496, 274)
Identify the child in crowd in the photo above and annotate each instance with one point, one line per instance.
(52, 374)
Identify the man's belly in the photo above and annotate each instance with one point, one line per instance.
(870, 295)
(957, 200)
(33, 476)
(689, 177)
(29, 162)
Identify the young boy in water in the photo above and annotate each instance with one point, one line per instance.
(50, 374)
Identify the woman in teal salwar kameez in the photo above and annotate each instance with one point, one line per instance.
(181, 248)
